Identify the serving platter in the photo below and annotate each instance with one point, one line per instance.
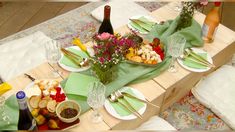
(43, 96)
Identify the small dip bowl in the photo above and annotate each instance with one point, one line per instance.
(68, 111)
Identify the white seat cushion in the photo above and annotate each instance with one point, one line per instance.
(156, 123)
(217, 92)
(21, 55)
(121, 11)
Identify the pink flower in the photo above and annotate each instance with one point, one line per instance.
(203, 2)
(104, 36)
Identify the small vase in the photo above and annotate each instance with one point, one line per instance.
(105, 75)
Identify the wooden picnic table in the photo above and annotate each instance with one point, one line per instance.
(163, 90)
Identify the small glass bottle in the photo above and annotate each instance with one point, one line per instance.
(211, 23)
(106, 25)
(26, 120)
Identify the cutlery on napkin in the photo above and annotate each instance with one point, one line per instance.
(76, 59)
(142, 24)
(198, 58)
(137, 105)
(134, 97)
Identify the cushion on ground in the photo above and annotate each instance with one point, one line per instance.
(121, 11)
(156, 123)
(21, 55)
(217, 92)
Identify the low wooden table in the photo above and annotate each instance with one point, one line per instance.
(164, 90)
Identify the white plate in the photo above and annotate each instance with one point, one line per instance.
(72, 69)
(195, 69)
(113, 112)
(136, 17)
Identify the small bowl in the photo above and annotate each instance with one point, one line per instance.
(68, 104)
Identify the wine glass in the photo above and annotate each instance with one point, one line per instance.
(95, 99)
(176, 45)
(3, 116)
(53, 55)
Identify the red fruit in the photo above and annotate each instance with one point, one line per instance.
(58, 89)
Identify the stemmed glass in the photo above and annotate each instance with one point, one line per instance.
(53, 55)
(95, 99)
(3, 116)
(176, 45)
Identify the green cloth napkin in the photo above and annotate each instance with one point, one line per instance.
(134, 103)
(188, 62)
(12, 110)
(192, 34)
(139, 28)
(142, 25)
(77, 84)
(66, 61)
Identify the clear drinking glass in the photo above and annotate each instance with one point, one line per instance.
(53, 55)
(95, 99)
(3, 116)
(175, 47)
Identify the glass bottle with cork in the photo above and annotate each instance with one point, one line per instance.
(106, 25)
(211, 23)
(26, 120)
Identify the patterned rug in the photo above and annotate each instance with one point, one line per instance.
(187, 114)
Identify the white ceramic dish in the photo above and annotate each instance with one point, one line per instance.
(196, 50)
(113, 112)
(68, 104)
(136, 17)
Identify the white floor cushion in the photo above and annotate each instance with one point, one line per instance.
(217, 92)
(121, 11)
(156, 123)
(21, 55)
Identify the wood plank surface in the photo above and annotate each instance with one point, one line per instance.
(17, 21)
(70, 6)
(8, 10)
(48, 11)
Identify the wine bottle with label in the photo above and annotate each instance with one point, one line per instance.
(106, 25)
(26, 120)
(211, 23)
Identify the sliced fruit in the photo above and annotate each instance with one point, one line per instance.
(51, 106)
(34, 101)
(43, 103)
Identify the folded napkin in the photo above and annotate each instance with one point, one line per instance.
(66, 61)
(11, 110)
(77, 84)
(192, 33)
(135, 103)
(188, 61)
(21, 55)
(142, 24)
(121, 11)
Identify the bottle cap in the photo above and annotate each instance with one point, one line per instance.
(20, 95)
(217, 3)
